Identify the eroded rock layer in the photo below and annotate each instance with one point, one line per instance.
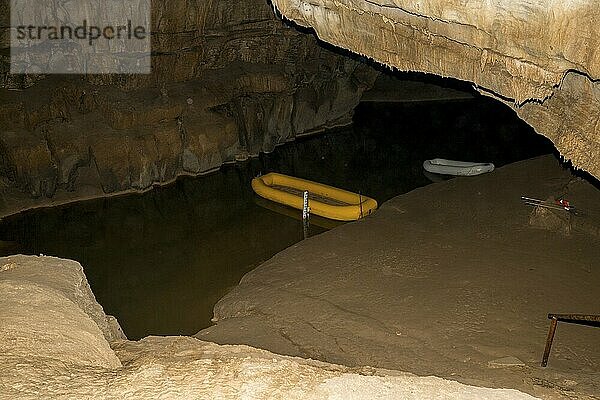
(542, 56)
(228, 79)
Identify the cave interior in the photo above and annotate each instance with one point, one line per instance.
(132, 235)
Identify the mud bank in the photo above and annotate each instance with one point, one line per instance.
(447, 280)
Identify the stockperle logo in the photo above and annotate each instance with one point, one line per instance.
(80, 37)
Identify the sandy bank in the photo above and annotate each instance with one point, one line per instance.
(445, 280)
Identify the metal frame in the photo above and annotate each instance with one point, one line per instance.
(586, 319)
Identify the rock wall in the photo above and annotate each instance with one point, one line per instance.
(52, 346)
(229, 79)
(542, 57)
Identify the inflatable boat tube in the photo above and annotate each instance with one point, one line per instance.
(457, 168)
(325, 201)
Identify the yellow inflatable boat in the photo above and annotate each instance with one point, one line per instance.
(325, 201)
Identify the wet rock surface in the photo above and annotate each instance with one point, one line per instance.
(228, 78)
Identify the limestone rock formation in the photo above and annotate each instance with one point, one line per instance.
(541, 57)
(49, 313)
(228, 78)
(52, 346)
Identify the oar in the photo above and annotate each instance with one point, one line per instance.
(562, 205)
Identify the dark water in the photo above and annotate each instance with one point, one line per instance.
(161, 260)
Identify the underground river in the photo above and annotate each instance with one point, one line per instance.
(159, 261)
